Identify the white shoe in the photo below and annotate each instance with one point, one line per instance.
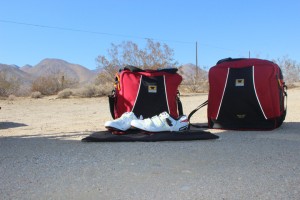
(163, 122)
(122, 123)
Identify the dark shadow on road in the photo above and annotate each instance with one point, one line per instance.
(7, 125)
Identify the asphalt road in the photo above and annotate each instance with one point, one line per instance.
(239, 165)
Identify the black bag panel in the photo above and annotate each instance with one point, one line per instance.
(240, 107)
(245, 125)
(151, 97)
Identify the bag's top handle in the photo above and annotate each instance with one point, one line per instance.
(133, 68)
(136, 69)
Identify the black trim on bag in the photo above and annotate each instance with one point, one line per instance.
(112, 100)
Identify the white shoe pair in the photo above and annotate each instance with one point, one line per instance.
(162, 122)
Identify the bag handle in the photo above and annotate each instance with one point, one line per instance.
(136, 69)
(193, 112)
(179, 104)
(111, 101)
(133, 68)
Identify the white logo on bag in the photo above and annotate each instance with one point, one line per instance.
(152, 89)
(239, 82)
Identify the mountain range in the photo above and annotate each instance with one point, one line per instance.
(47, 67)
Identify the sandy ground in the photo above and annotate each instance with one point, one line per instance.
(42, 157)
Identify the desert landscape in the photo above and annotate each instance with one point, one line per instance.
(42, 156)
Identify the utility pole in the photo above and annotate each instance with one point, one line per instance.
(196, 60)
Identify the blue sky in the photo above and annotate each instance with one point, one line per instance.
(232, 28)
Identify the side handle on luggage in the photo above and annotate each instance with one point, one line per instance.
(112, 100)
(193, 112)
(179, 104)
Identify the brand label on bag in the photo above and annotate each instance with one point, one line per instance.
(241, 116)
(239, 82)
(152, 88)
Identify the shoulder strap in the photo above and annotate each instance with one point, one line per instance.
(179, 104)
(133, 68)
(136, 69)
(112, 100)
(193, 112)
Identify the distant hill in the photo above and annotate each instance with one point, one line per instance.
(13, 71)
(26, 67)
(56, 66)
(47, 67)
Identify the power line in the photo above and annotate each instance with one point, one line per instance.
(90, 32)
(112, 34)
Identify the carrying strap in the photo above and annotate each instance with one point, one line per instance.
(285, 100)
(133, 68)
(179, 104)
(193, 112)
(136, 69)
(111, 100)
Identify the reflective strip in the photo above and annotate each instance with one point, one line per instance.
(223, 93)
(256, 93)
(166, 94)
(137, 95)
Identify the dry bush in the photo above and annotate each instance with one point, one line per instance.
(290, 69)
(52, 84)
(104, 78)
(36, 95)
(11, 97)
(201, 87)
(93, 91)
(66, 93)
(46, 85)
(8, 85)
(86, 91)
(153, 56)
(24, 91)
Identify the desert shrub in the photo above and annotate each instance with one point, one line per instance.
(290, 69)
(103, 78)
(66, 93)
(24, 91)
(93, 91)
(11, 97)
(52, 84)
(46, 85)
(200, 87)
(36, 95)
(8, 85)
(87, 91)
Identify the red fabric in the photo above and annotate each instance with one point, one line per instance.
(217, 80)
(172, 83)
(266, 77)
(129, 87)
